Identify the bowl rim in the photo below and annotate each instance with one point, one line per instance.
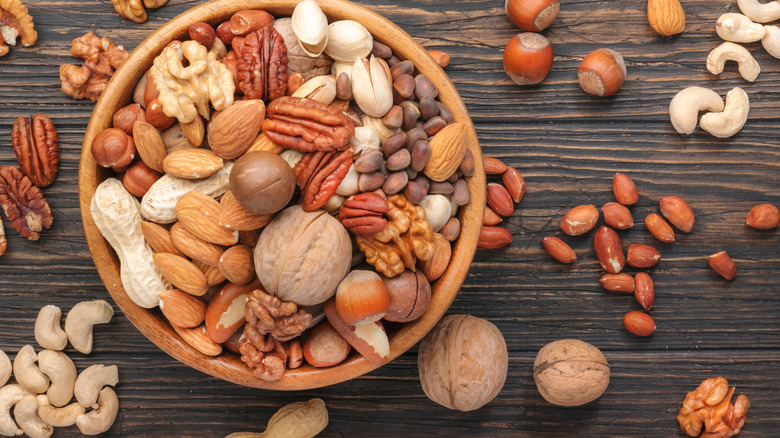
(151, 323)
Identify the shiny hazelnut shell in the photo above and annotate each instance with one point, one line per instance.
(602, 72)
(532, 15)
(528, 58)
(410, 296)
(362, 297)
(262, 182)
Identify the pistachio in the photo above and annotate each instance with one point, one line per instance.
(381, 130)
(365, 139)
(319, 88)
(348, 40)
(310, 26)
(371, 87)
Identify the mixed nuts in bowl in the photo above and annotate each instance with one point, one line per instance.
(282, 194)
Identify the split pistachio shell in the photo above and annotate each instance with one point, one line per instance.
(319, 88)
(348, 40)
(371, 87)
(310, 26)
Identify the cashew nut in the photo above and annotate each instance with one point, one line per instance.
(9, 396)
(101, 418)
(748, 66)
(760, 12)
(5, 368)
(58, 417)
(771, 40)
(81, 318)
(48, 333)
(686, 105)
(27, 373)
(738, 28)
(60, 369)
(26, 415)
(733, 117)
(91, 380)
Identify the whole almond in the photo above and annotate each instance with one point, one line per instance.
(659, 228)
(213, 276)
(182, 309)
(644, 291)
(194, 247)
(237, 264)
(639, 323)
(558, 249)
(514, 183)
(194, 131)
(678, 212)
(608, 249)
(621, 282)
(642, 256)
(158, 238)
(192, 163)
(494, 237)
(499, 200)
(235, 217)
(624, 189)
(666, 17)
(197, 338)
(448, 147)
(233, 130)
(182, 273)
(434, 267)
(493, 166)
(200, 213)
(617, 216)
(149, 145)
(722, 263)
(763, 217)
(579, 220)
(491, 218)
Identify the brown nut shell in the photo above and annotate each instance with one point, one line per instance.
(262, 182)
(570, 372)
(410, 296)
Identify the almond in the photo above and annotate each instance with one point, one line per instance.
(763, 217)
(514, 183)
(624, 189)
(182, 309)
(638, 323)
(493, 166)
(606, 243)
(158, 238)
(149, 145)
(666, 17)
(642, 256)
(499, 200)
(722, 263)
(559, 250)
(194, 131)
(644, 292)
(659, 228)
(199, 213)
(213, 276)
(196, 337)
(182, 273)
(237, 264)
(192, 163)
(617, 282)
(434, 267)
(447, 149)
(233, 130)
(579, 220)
(494, 237)
(235, 217)
(491, 218)
(617, 216)
(194, 247)
(678, 212)
(226, 311)
(263, 143)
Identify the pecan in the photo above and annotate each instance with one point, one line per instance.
(710, 406)
(262, 66)
(23, 203)
(3, 241)
(362, 214)
(101, 58)
(307, 125)
(319, 174)
(15, 21)
(35, 143)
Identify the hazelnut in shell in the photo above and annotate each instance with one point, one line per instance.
(262, 182)
(528, 58)
(410, 296)
(602, 72)
(362, 297)
(532, 15)
(570, 372)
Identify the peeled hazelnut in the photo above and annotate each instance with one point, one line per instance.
(156, 117)
(602, 72)
(532, 15)
(138, 178)
(203, 34)
(150, 92)
(127, 116)
(528, 58)
(362, 297)
(410, 296)
(113, 148)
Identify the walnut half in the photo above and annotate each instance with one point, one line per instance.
(15, 22)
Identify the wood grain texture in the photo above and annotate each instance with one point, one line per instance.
(568, 145)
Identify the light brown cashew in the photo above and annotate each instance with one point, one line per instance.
(48, 333)
(81, 318)
(733, 117)
(26, 415)
(738, 28)
(100, 419)
(10, 396)
(62, 373)
(5, 368)
(760, 12)
(771, 41)
(27, 372)
(685, 107)
(58, 417)
(91, 380)
(748, 66)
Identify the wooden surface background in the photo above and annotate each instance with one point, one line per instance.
(568, 145)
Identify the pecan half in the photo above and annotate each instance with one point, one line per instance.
(307, 125)
(35, 143)
(15, 21)
(362, 214)
(262, 66)
(319, 174)
(23, 203)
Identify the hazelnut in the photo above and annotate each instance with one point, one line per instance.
(156, 117)
(602, 72)
(532, 15)
(127, 116)
(528, 58)
(410, 296)
(113, 148)
(138, 178)
(362, 297)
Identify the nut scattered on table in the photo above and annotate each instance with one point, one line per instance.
(15, 21)
(709, 411)
(101, 58)
(570, 372)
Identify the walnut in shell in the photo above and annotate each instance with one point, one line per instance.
(570, 372)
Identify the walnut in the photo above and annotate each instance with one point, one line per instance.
(15, 22)
(185, 92)
(710, 406)
(101, 58)
(134, 9)
(23, 203)
(406, 238)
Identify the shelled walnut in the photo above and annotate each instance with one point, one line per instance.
(710, 407)
(134, 9)
(101, 58)
(15, 22)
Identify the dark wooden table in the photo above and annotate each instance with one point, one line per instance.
(568, 145)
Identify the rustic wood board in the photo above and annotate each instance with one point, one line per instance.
(568, 145)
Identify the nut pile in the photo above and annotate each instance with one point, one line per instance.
(500, 202)
(266, 182)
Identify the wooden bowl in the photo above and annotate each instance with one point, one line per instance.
(228, 366)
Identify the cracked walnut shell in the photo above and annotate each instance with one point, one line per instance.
(23, 203)
(15, 22)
